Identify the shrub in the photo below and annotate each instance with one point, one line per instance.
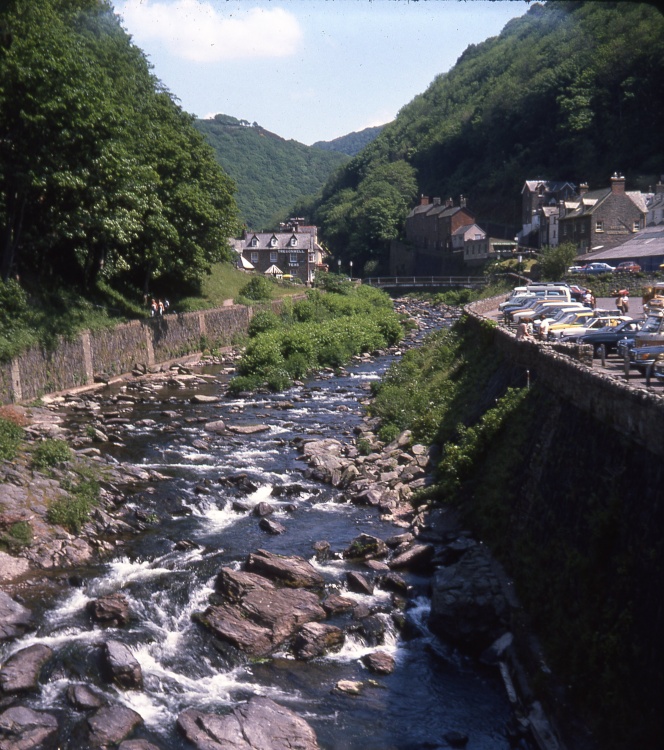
(256, 289)
(263, 320)
(17, 536)
(50, 453)
(74, 510)
(10, 439)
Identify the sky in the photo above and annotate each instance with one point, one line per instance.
(308, 70)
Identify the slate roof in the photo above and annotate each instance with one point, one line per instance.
(647, 242)
(305, 241)
(594, 198)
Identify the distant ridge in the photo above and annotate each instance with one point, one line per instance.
(352, 143)
(271, 173)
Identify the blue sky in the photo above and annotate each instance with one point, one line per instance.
(307, 69)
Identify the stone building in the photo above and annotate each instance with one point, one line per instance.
(600, 219)
(292, 252)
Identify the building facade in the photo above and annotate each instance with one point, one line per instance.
(292, 252)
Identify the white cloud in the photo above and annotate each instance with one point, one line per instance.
(194, 30)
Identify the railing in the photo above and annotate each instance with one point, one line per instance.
(424, 281)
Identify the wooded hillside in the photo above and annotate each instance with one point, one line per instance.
(352, 143)
(570, 91)
(271, 172)
(103, 177)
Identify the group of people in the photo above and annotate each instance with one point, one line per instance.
(589, 299)
(158, 307)
(622, 301)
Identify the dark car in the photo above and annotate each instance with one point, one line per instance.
(610, 336)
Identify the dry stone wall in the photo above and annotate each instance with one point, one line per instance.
(112, 352)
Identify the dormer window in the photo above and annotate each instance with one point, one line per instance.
(293, 241)
(254, 242)
(273, 242)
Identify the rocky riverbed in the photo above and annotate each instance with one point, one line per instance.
(262, 606)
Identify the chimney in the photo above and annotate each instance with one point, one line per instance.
(617, 184)
(449, 203)
(583, 189)
(462, 201)
(436, 201)
(424, 200)
(659, 187)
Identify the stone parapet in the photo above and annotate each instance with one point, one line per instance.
(115, 351)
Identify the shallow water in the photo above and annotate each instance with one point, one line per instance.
(433, 689)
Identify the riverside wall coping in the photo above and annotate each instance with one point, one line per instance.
(631, 410)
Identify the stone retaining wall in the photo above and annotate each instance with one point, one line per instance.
(633, 411)
(112, 352)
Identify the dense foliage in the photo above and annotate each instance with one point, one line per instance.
(102, 175)
(271, 173)
(571, 90)
(352, 143)
(324, 330)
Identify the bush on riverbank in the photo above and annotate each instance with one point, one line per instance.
(325, 330)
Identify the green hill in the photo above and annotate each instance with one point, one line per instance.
(352, 143)
(271, 173)
(571, 90)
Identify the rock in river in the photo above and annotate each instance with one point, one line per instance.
(291, 571)
(260, 724)
(14, 618)
(122, 666)
(21, 728)
(21, 671)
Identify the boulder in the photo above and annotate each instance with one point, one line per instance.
(468, 606)
(12, 567)
(235, 584)
(322, 550)
(335, 604)
(372, 629)
(216, 426)
(316, 639)
(291, 571)
(282, 610)
(122, 666)
(247, 429)
(15, 619)
(137, 745)
(201, 398)
(21, 728)
(379, 662)
(228, 624)
(271, 526)
(84, 697)
(263, 509)
(350, 687)
(261, 724)
(21, 671)
(416, 557)
(358, 583)
(109, 610)
(111, 724)
(365, 546)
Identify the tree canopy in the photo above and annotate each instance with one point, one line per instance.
(102, 175)
(570, 91)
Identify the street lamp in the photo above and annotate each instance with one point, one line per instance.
(520, 259)
(339, 266)
(351, 270)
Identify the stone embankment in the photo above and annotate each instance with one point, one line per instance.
(274, 601)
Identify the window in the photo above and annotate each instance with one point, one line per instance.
(637, 225)
(254, 257)
(311, 258)
(254, 242)
(582, 229)
(599, 226)
(293, 242)
(273, 256)
(293, 257)
(273, 242)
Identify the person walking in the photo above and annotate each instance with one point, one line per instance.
(153, 308)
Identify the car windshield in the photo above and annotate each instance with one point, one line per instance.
(565, 316)
(652, 324)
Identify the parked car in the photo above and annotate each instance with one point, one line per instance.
(575, 269)
(642, 357)
(653, 299)
(628, 266)
(598, 268)
(609, 336)
(658, 368)
(573, 334)
(577, 292)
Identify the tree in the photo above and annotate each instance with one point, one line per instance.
(554, 261)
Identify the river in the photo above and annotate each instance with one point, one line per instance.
(168, 573)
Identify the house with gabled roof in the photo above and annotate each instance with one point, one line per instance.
(601, 219)
(540, 200)
(293, 251)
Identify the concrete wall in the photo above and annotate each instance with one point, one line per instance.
(634, 412)
(115, 351)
